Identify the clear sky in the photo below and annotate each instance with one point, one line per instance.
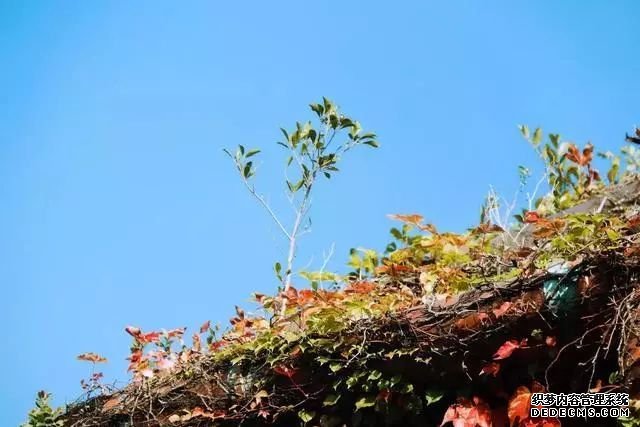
(118, 206)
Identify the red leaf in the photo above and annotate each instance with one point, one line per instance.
(541, 422)
(385, 394)
(490, 369)
(217, 345)
(506, 349)
(259, 297)
(205, 326)
(467, 413)
(531, 217)
(133, 331)
(177, 332)
(536, 387)
(597, 387)
(285, 370)
(240, 312)
(149, 337)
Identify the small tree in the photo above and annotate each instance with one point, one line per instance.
(314, 149)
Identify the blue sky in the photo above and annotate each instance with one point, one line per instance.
(118, 206)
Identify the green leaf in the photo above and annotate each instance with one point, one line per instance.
(365, 402)
(432, 396)
(252, 153)
(537, 137)
(286, 135)
(612, 234)
(247, 170)
(278, 269)
(375, 375)
(241, 149)
(396, 379)
(237, 360)
(331, 399)
(614, 377)
(306, 416)
(524, 130)
(372, 143)
(335, 367)
(612, 175)
(317, 108)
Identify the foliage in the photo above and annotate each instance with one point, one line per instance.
(94, 383)
(352, 334)
(314, 150)
(43, 415)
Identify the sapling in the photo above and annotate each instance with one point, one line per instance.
(314, 150)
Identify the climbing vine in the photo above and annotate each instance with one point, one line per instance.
(348, 353)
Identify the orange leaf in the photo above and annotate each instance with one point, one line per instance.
(506, 349)
(573, 154)
(360, 288)
(582, 159)
(632, 251)
(547, 228)
(587, 154)
(412, 219)
(500, 311)
(519, 405)
(634, 221)
(306, 296)
(291, 295)
(92, 357)
(486, 228)
(471, 321)
(197, 344)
